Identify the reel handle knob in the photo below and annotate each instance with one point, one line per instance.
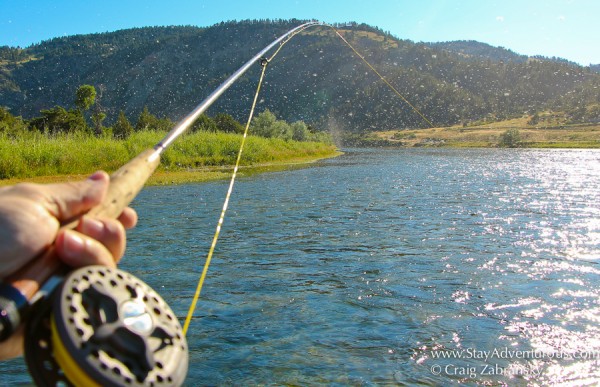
(21, 286)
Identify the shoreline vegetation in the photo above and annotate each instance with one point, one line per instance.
(60, 145)
(205, 156)
(513, 133)
(195, 157)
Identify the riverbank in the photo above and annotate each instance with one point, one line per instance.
(196, 157)
(166, 177)
(489, 135)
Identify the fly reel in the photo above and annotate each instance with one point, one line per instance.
(105, 327)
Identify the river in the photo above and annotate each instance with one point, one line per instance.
(385, 267)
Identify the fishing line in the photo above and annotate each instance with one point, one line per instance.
(190, 313)
(264, 63)
(382, 77)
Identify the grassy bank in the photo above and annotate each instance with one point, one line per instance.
(489, 135)
(193, 157)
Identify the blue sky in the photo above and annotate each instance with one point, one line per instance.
(563, 28)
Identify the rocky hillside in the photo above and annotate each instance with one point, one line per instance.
(316, 77)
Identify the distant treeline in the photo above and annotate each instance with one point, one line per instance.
(59, 120)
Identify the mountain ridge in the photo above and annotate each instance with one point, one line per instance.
(315, 78)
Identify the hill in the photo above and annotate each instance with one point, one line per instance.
(470, 49)
(545, 134)
(316, 77)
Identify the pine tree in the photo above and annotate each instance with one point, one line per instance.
(145, 121)
(122, 128)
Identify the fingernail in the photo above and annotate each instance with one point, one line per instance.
(73, 244)
(98, 175)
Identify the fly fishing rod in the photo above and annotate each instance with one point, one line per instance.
(104, 326)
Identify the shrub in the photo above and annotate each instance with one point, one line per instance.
(510, 139)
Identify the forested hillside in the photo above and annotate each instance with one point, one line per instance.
(316, 77)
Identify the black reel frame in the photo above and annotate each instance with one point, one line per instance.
(105, 326)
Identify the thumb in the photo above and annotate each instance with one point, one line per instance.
(68, 200)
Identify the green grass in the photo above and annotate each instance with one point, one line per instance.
(35, 154)
(565, 144)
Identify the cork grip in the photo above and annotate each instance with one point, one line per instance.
(125, 184)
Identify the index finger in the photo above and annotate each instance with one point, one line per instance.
(68, 200)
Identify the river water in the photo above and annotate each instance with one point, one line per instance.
(385, 267)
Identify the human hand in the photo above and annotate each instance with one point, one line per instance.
(31, 215)
(30, 219)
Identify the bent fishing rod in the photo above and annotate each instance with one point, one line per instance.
(115, 342)
(103, 326)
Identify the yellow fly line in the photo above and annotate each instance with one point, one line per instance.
(264, 62)
(224, 210)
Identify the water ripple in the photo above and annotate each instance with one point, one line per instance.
(355, 272)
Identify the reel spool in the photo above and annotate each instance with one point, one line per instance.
(105, 327)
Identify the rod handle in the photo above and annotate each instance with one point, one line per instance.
(126, 183)
(124, 186)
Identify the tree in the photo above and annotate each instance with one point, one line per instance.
(262, 124)
(58, 120)
(511, 138)
(266, 124)
(85, 97)
(122, 128)
(282, 129)
(300, 131)
(226, 123)
(10, 124)
(594, 114)
(146, 120)
(163, 124)
(98, 115)
(204, 123)
(534, 120)
(97, 118)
